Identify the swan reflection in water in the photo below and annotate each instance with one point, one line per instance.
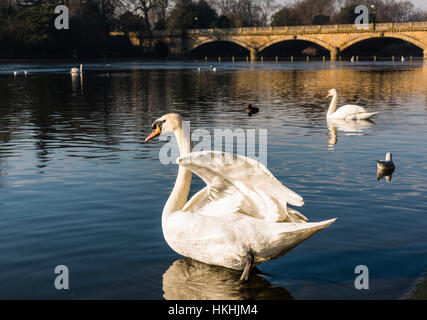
(353, 127)
(188, 279)
(76, 80)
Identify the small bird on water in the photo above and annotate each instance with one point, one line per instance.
(386, 164)
(251, 110)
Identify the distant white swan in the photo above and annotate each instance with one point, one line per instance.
(77, 70)
(240, 219)
(347, 112)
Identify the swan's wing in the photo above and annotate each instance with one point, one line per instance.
(347, 110)
(237, 184)
(352, 108)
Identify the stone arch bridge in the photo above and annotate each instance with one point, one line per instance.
(334, 38)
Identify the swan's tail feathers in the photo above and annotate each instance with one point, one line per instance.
(295, 216)
(313, 227)
(292, 235)
(366, 115)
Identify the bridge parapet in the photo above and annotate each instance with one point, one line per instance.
(334, 38)
(389, 26)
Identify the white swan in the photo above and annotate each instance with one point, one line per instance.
(76, 70)
(240, 219)
(347, 112)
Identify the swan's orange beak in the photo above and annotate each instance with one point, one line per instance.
(327, 96)
(155, 132)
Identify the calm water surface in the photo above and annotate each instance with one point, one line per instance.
(79, 187)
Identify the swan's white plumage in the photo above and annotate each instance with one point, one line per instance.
(243, 208)
(349, 110)
(237, 184)
(226, 239)
(346, 112)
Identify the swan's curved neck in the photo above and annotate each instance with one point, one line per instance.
(333, 105)
(179, 195)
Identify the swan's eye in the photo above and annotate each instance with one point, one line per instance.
(158, 123)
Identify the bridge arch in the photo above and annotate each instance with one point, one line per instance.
(400, 36)
(319, 42)
(211, 40)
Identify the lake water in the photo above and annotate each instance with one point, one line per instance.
(79, 187)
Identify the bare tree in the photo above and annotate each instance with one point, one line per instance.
(223, 6)
(159, 14)
(107, 9)
(266, 8)
(145, 8)
(403, 10)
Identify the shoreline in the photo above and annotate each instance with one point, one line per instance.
(55, 60)
(176, 58)
(418, 291)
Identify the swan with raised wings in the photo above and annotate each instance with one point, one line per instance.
(347, 112)
(240, 219)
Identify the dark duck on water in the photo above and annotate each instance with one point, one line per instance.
(251, 110)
